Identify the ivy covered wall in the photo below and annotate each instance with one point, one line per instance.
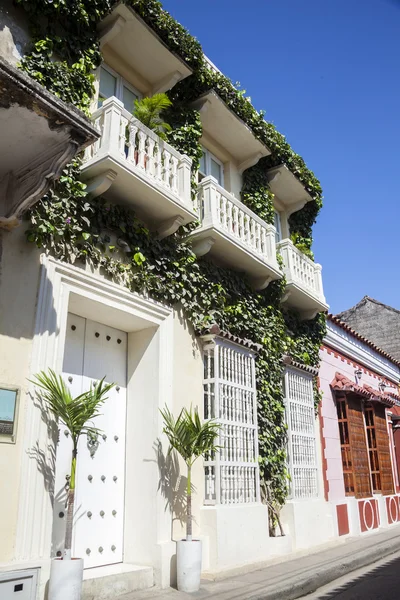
(65, 51)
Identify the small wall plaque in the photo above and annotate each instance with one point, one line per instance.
(9, 397)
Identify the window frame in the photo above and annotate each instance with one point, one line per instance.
(294, 465)
(348, 472)
(373, 451)
(278, 226)
(208, 156)
(232, 475)
(120, 84)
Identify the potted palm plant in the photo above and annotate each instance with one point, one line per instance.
(191, 438)
(149, 111)
(77, 415)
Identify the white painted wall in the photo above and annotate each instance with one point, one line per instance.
(19, 277)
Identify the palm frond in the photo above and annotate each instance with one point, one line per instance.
(77, 413)
(188, 435)
(149, 111)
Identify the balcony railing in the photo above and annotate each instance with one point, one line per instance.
(235, 233)
(133, 148)
(304, 279)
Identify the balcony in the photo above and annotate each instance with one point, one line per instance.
(229, 131)
(234, 235)
(39, 136)
(290, 193)
(126, 39)
(304, 290)
(132, 166)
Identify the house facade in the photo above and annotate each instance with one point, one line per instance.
(358, 417)
(177, 269)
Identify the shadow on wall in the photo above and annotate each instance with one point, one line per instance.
(172, 484)
(46, 457)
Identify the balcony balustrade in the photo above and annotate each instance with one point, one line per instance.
(132, 165)
(304, 290)
(234, 235)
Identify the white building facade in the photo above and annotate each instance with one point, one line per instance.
(73, 318)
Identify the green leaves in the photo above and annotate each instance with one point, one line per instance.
(189, 435)
(149, 111)
(76, 413)
(65, 51)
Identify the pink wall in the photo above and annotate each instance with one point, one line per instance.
(331, 362)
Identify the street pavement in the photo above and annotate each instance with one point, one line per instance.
(304, 573)
(380, 581)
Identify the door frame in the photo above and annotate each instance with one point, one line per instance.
(62, 286)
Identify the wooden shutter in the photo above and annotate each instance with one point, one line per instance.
(358, 444)
(382, 442)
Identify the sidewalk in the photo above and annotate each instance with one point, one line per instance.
(292, 578)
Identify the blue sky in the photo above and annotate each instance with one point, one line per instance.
(327, 72)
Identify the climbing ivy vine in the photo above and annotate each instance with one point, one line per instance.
(65, 51)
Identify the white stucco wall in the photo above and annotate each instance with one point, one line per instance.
(19, 277)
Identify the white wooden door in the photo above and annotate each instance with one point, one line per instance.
(93, 351)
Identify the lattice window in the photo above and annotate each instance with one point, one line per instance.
(232, 475)
(300, 415)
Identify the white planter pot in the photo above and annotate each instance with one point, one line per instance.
(66, 579)
(188, 565)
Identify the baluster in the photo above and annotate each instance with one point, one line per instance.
(224, 203)
(264, 242)
(174, 174)
(166, 170)
(150, 156)
(141, 149)
(157, 163)
(122, 135)
(133, 129)
(253, 239)
(241, 225)
(235, 220)
(248, 221)
(258, 237)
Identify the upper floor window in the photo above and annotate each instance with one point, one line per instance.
(112, 84)
(210, 165)
(278, 227)
(300, 416)
(231, 474)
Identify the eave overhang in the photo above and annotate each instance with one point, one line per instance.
(287, 188)
(137, 45)
(229, 131)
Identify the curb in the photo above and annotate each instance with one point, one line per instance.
(318, 576)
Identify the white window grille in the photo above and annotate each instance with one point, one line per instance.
(300, 416)
(232, 474)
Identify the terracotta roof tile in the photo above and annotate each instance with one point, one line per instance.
(343, 384)
(215, 330)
